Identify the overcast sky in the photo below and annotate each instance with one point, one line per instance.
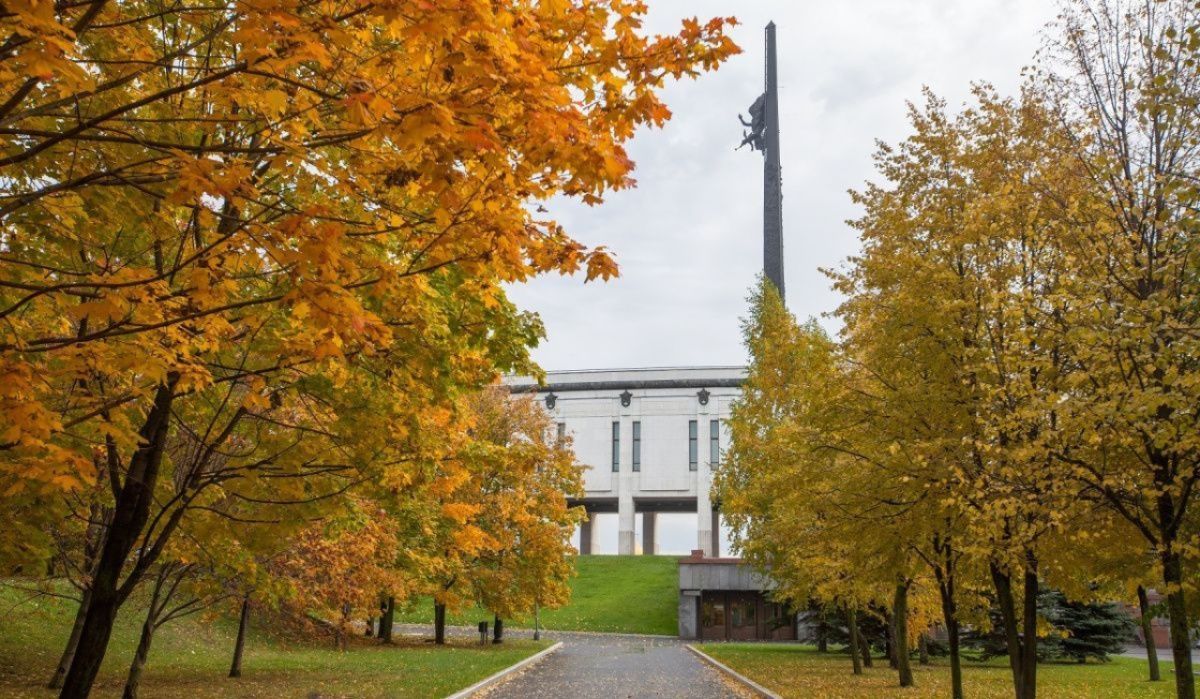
(689, 237)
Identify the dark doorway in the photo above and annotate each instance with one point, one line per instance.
(744, 616)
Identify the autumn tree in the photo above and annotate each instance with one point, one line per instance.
(492, 525)
(1126, 78)
(523, 474)
(226, 207)
(337, 568)
(934, 420)
(783, 485)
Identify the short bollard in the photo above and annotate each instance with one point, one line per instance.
(483, 632)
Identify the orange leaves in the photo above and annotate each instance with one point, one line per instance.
(460, 512)
(600, 265)
(25, 420)
(304, 213)
(505, 528)
(45, 47)
(198, 177)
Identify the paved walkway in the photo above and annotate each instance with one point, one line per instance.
(614, 667)
(610, 666)
(1164, 654)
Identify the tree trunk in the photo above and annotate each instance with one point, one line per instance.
(852, 623)
(439, 624)
(130, 514)
(64, 662)
(945, 578)
(1002, 582)
(498, 630)
(889, 634)
(950, 618)
(864, 645)
(1148, 634)
(1029, 642)
(822, 632)
(339, 633)
(235, 668)
(1022, 645)
(900, 633)
(387, 621)
(923, 649)
(134, 679)
(1185, 682)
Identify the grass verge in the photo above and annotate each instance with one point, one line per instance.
(626, 594)
(800, 671)
(190, 658)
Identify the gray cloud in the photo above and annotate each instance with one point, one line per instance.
(689, 237)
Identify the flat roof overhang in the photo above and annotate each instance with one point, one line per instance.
(686, 504)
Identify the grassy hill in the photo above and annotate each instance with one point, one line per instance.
(190, 657)
(629, 594)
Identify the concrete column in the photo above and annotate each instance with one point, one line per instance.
(625, 521)
(595, 538)
(649, 542)
(716, 533)
(689, 613)
(704, 512)
(585, 535)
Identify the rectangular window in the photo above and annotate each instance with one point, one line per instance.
(616, 447)
(562, 431)
(693, 446)
(637, 446)
(714, 443)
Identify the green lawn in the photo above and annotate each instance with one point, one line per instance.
(191, 656)
(630, 594)
(800, 671)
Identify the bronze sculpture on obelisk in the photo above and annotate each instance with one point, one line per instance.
(763, 135)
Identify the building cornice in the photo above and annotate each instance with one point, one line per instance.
(627, 385)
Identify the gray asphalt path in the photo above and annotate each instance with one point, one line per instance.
(606, 666)
(1164, 654)
(610, 666)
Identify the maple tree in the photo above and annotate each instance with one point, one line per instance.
(337, 568)
(523, 476)
(492, 526)
(220, 217)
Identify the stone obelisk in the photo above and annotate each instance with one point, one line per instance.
(772, 172)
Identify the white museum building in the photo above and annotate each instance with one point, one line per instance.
(650, 439)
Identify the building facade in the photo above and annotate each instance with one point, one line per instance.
(651, 440)
(720, 599)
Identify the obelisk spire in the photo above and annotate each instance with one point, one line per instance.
(763, 135)
(772, 173)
